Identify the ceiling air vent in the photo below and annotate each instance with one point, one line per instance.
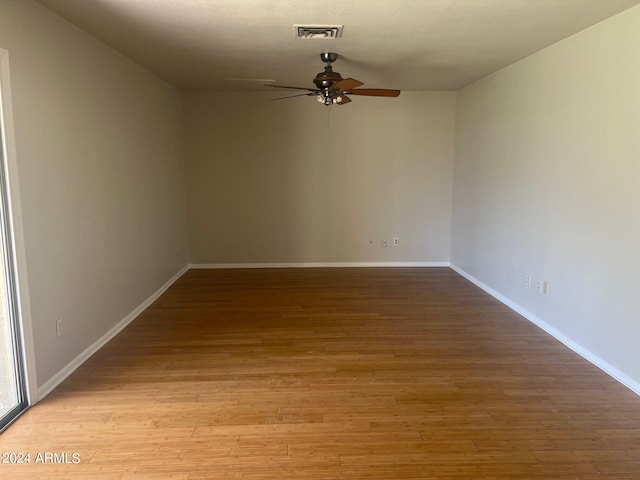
(318, 31)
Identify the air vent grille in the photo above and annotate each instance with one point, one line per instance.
(317, 31)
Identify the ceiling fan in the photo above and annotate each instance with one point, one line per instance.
(332, 89)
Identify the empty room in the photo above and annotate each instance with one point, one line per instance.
(260, 239)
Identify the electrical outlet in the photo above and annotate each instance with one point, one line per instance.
(59, 331)
(396, 241)
(383, 243)
(543, 287)
(527, 280)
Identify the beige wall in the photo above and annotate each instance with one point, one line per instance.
(295, 182)
(99, 156)
(547, 183)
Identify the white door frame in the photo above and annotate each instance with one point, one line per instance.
(15, 220)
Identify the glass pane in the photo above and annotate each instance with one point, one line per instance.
(12, 387)
(9, 397)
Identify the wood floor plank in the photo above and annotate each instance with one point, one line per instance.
(394, 373)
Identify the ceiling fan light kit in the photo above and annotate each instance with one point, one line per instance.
(332, 89)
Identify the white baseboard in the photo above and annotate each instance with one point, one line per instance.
(606, 367)
(57, 379)
(317, 265)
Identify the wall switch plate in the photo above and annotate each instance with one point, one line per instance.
(383, 243)
(59, 331)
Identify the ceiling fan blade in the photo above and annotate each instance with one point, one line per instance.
(293, 96)
(295, 88)
(374, 92)
(347, 84)
(343, 99)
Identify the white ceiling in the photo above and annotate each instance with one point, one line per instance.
(405, 44)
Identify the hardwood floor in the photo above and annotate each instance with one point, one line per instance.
(331, 374)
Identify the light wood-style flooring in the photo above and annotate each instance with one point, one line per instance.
(331, 374)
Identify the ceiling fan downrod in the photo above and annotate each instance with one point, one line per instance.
(324, 80)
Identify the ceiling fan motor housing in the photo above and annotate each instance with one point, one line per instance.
(327, 78)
